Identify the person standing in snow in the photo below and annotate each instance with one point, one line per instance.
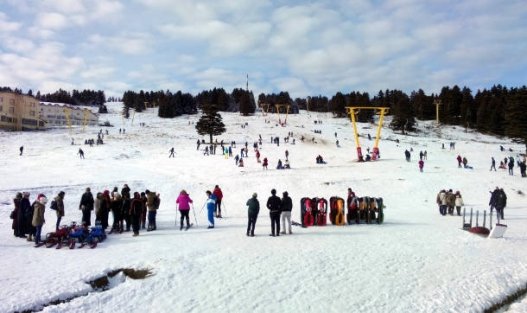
(219, 196)
(81, 153)
(152, 206)
(135, 211)
(459, 161)
(492, 201)
(407, 155)
(183, 202)
(459, 202)
(104, 210)
(286, 207)
(171, 153)
(253, 208)
(16, 215)
(21, 150)
(211, 205)
(59, 199)
(39, 207)
(421, 165)
(117, 210)
(27, 211)
(511, 165)
(86, 206)
(492, 164)
(144, 212)
(265, 163)
(441, 202)
(274, 205)
(500, 203)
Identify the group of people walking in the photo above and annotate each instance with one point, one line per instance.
(448, 200)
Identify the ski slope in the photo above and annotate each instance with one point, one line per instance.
(417, 261)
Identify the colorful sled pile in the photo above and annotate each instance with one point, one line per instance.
(358, 210)
(72, 234)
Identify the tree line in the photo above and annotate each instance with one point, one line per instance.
(499, 110)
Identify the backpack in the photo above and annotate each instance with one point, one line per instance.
(53, 205)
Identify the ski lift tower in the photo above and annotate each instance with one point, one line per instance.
(264, 107)
(352, 112)
(286, 107)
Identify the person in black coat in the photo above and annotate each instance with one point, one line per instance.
(500, 203)
(136, 210)
(274, 205)
(86, 205)
(286, 207)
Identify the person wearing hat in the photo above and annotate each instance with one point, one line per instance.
(38, 216)
(59, 199)
(253, 209)
(16, 216)
(286, 207)
(274, 205)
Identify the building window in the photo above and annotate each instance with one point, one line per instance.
(12, 110)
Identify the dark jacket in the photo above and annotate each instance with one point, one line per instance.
(274, 204)
(501, 200)
(136, 207)
(86, 201)
(287, 204)
(254, 206)
(60, 206)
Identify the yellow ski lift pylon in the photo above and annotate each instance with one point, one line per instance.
(352, 112)
(86, 118)
(278, 108)
(264, 107)
(67, 115)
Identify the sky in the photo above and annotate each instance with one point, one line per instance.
(307, 48)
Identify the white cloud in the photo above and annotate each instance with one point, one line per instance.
(128, 43)
(6, 26)
(51, 21)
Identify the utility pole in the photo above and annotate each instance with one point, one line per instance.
(437, 103)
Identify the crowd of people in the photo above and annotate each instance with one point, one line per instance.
(447, 201)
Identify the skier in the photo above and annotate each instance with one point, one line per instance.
(219, 196)
(183, 202)
(211, 205)
(273, 204)
(286, 207)
(39, 207)
(21, 150)
(81, 153)
(136, 209)
(171, 153)
(86, 206)
(59, 199)
(492, 164)
(253, 209)
(421, 165)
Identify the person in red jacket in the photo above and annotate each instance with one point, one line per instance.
(219, 195)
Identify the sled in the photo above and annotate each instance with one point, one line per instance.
(308, 218)
(322, 212)
(498, 231)
(339, 217)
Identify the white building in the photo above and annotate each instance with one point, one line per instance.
(67, 115)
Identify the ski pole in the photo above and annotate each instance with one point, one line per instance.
(175, 219)
(194, 211)
(201, 207)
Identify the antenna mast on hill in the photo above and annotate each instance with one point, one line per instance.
(247, 84)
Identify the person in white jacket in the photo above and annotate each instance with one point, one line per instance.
(459, 202)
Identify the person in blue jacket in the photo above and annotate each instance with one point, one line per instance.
(211, 206)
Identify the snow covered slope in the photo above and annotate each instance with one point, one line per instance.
(417, 261)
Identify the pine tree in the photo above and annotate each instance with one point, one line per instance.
(210, 122)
